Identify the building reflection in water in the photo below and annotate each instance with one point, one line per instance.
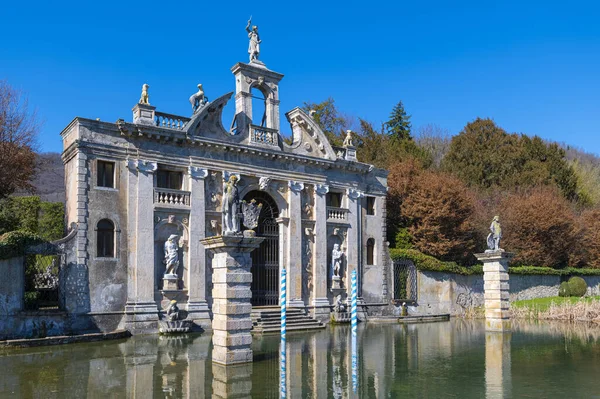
(427, 360)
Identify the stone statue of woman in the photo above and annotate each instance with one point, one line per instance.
(171, 254)
(254, 45)
(336, 260)
(231, 206)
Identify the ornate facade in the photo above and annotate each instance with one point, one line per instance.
(133, 185)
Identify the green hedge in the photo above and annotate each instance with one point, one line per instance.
(429, 263)
(426, 262)
(13, 244)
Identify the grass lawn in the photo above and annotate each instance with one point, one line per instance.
(542, 304)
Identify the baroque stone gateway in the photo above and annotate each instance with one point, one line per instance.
(165, 184)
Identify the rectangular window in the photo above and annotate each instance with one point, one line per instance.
(169, 179)
(334, 200)
(370, 205)
(106, 174)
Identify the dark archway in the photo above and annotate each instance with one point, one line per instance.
(265, 259)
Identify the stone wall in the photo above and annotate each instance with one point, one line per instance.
(454, 293)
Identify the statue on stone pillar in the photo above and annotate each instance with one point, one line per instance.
(254, 45)
(336, 260)
(231, 206)
(198, 99)
(348, 139)
(493, 239)
(144, 97)
(171, 255)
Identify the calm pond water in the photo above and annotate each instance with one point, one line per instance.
(455, 359)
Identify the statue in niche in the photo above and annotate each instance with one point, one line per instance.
(198, 99)
(231, 206)
(173, 311)
(336, 260)
(254, 45)
(144, 98)
(172, 255)
(493, 239)
(348, 140)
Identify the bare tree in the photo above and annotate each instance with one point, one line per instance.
(435, 141)
(18, 141)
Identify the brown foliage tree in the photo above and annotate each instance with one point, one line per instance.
(539, 226)
(436, 207)
(18, 131)
(590, 221)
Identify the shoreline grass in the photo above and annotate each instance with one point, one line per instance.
(585, 309)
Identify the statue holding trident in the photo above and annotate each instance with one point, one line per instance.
(254, 45)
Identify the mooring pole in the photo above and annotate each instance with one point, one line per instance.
(283, 303)
(353, 317)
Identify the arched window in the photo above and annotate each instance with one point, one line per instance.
(105, 239)
(370, 251)
(259, 108)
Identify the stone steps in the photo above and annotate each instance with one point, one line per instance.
(268, 320)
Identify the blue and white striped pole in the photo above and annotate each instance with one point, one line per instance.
(354, 364)
(353, 318)
(282, 368)
(283, 303)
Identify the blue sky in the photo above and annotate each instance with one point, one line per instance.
(534, 67)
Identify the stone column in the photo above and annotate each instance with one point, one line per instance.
(498, 382)
(496, 289)
(232, 297)
(320, 267)
(352, 239)
(196, 281)
(141, 307)
(294, 270)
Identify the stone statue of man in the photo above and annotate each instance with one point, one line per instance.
(171, 254)
(336, 260)
(254, 45)
(493, 239)
(231, 206)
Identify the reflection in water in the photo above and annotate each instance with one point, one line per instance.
(497, 365)
(437, 360)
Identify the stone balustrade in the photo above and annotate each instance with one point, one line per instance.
(337, 214)
(170, 121)
(263, 135)
(165, 196)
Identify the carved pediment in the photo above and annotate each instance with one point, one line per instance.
(308, 138)
(207, 121)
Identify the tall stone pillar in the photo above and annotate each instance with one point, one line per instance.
(232, 297)
(320, 267)
(496, 289)
(353, 238)
(141, 309)
(197, 307)
(294, 271)
(498, 382)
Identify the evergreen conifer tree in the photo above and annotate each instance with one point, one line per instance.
(399, 125)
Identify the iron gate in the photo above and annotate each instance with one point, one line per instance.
(405, 280)
(265, 259)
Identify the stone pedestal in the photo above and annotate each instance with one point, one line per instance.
(496, 289)
(170, 282)
(350, 153)
(231, 297)
(497, 365)
(143, 114)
